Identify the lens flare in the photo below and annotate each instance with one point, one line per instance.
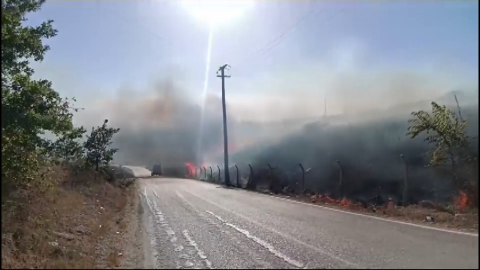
(219, 11)
(204, 93)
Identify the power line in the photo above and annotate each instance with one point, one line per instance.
(288, 31)
(277, 40)
(329, 18)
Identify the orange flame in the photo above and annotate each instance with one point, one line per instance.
(325, 199)
(461, 201)
(345, 202)
(190, 169)
(328, 200)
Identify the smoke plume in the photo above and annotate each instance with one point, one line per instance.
(167, 126)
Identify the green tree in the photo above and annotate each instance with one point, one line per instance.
(67, 147)
(29, 107)
(97, 145)
(445, 131)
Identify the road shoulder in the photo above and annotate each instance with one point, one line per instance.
(465, 223)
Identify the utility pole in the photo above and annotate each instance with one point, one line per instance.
(225, 135)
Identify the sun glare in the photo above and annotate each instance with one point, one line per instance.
(216, 11)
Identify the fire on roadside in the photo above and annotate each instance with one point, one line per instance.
(325, 199)
(328, 200)
(461, 201)
(345, 202)
(190, 166)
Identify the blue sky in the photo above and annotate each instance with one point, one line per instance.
(354, 53)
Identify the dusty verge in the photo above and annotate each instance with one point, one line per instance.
(72, 224)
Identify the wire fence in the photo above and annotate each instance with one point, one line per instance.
(408, 184)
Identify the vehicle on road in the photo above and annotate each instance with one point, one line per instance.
(156, 170)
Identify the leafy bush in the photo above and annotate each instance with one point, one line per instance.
(97, 144)
(447, 133)
(30, 108)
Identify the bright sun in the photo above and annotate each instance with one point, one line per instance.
(216, 11)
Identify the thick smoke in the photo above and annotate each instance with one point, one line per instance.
(160, 127)
(368, 147)
(166, 126)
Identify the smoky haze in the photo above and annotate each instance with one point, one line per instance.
(163, 125)
(368, 146)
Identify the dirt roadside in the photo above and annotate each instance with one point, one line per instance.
(82, 222)
(123, 246)
(464, 221)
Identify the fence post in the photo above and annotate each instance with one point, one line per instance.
(251, 181)
(271, 177)
(219, 176)
(237, 175)
(405, 183)
(303, 177)
(211, 173)
(341, 180)
(271, 173)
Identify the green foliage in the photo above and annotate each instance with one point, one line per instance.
(97, 145)
(67, 147)
(444, 130)
(29, 107)
(21, 43)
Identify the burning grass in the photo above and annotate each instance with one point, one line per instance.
(61, 227)
(459, 215)
(461, 201)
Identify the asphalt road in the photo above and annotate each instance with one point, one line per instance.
(191, 224)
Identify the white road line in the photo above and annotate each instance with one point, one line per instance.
(264, 264)
(372, 217)
(353, 213)
(200, 253)
(286, 236)
(160, 219)
(261, 242)
(181, 196)
(192, 243)
(147, 200)
(153, 240)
